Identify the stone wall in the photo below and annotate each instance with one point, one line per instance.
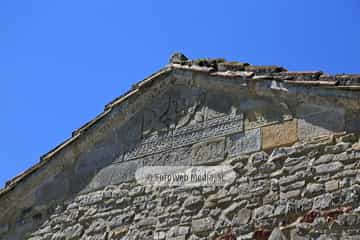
(290, 138)
(309, 190)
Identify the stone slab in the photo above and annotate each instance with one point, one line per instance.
(263, 111)
(208, 152)
(278, 135)
(115, 174)
(352, 121)
(204, 225)
(332, 185)
(315, 120)
(245, 142)
(176, 157)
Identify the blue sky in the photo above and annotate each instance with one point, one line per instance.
(61, 61)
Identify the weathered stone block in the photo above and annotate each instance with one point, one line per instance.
(159, 235)
(233, 209)
(182, 237)
(352, 121)
(97, 226)
(347, 157)
(119, 232)
(114, 174)
(179, 231)
(52, 188)
(315, 120)
(270, 198)
(194, 203)
(290, 194)
(298, 167)
(349, 220)
(246, 142)
(350, 137)
(293, 186)
(268, 167)
(258, 158)
(121, 220)
(175, 157)
(313, 189)
(324, 159)
(328, 168)
(323, 201)
(338, 148)
(279, 134)
(203, 226)
(91, 198)
(265, 211)
(73, 232)
(208, 152)
(262, 111)
(291, 161)
(147, 223)
(242, 217)
(331, 186)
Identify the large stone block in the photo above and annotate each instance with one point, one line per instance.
(352, 121)
(315, 120)
(114, 174)
(328, 168)
(203, 226)
(263, 212)
(175, 157)
(208, 152)
(279, 134)
(261, 111)
(245, 142)
(55, 187)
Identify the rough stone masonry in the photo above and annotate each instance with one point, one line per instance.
(290, 137)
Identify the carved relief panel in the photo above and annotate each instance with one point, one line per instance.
(208, 152)
(182, 117)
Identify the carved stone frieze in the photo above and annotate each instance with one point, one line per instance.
(188, 135)
(176, 157)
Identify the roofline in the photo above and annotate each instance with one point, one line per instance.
(11, 184)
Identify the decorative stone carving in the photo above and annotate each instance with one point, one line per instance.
(160, 116)
(190, 108)
(208, 152)
(188, 135)
(244, 142)
(176, 157)
(209, 129)
(151, 145)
